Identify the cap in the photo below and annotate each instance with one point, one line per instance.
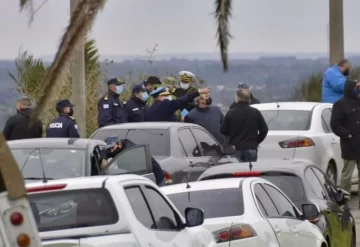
(138, 88)
(64, 103)
(111, 141)
(115, 81)
(152, 80)
(186, 76)
(242, 85)
(161, 91)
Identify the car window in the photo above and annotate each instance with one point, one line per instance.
(329, 187)
(164, 216)
(326, 116)
(189, 143)
(132, 160)
(285, 208)
(287, 119)
(267, 206)
(208, 146)
(139, 206)
(215, 202)
(314, 184)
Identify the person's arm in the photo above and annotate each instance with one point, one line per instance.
(178, 103)
(105, 113)
(336, 81)
(224, 129)
(9, 125)
(263, 128)
(336, 120)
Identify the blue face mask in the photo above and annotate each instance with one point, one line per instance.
(144, 96)
(119, 89)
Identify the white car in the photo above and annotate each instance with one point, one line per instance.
(249, 212)
(125, 210)
(301, 130)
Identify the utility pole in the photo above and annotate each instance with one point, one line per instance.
(78, 82)
(336, 31)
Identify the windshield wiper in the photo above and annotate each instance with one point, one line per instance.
(38, 178)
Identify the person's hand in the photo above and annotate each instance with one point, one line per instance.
(204, 90)
(358, 84)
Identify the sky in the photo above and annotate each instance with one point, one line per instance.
(129, 27)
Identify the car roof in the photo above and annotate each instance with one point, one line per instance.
(71, 143)
(295, 167)
(148, 125)
(296, 106)
(203, 185)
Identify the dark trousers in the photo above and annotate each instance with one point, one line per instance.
(246, 155)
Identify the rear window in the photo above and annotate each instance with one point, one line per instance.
(73, 209)
(157, 139)
(291, 185)
(215, 203)
(287, 119)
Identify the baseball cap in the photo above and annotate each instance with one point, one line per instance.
(115, 81)
(64, 103)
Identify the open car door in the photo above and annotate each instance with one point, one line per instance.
(133, 160)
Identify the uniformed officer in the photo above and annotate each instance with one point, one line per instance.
(64, 125)
(186, 87)
(150, 82)
(136, 105)
(164, 107)
(110, 108)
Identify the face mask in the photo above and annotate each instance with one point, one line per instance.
(71, 112)
(119, 89)
(144, 96)
(184, 85)
(169, 97)
(346, 72)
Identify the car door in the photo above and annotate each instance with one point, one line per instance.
(340, 215)
(134, 160)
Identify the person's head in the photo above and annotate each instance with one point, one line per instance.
(242, 95)
(115, 85)
(161, 94)
(65, 107)
(203, 101)
(150, 82)
(140, 92)
(243, 86)
(23, 103)
(114, 145)
(345, 67)
(186, 78)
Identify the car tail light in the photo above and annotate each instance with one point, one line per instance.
(16, 219)
(168, 178)
(246, 174)
(297, 143)
(23, 240)
(46, 188)
(235, 232)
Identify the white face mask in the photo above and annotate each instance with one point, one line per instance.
(169, 97)
(184, 85)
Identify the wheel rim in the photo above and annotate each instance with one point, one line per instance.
(331, 175)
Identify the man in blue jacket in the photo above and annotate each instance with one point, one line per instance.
(334, 80)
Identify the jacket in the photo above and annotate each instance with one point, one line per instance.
(210, 118)
(253, 101)
(63, 126)
(179, 92)
(333, 85)
(345, 123)
(17, 127)
(135, 110)
(111, 110)
(163, 111)
(245, 126)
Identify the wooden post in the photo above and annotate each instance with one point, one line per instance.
(336, 31)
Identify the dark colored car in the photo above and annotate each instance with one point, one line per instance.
(183, 150)
(303, 183)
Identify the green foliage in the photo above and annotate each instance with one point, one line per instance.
(310, 89)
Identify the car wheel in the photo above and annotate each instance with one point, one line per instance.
(331, 173)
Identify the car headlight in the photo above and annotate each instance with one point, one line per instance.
(63, 208)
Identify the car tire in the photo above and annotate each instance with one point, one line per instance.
(331, 173)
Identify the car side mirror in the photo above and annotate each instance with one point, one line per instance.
(342, 196)
(194, 217)
(228, 150)
(310, 212)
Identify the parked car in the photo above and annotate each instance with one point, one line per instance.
(301, 130)
(239, 212)
(303, 183)
(126, 210)
(57, 158)
(178, 147)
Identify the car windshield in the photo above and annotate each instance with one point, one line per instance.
(72, 209)
(215, 202)
(157, 139)
(287, 119)
(57, 163)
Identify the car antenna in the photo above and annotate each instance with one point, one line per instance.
(232, 224)
(187, 181)
(42, 167)
(277, 113)
(296, 144)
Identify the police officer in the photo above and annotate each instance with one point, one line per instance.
(164, 107)
(186, 80)
(110, 109)
(64, 125)
(136, 105)
(150, 82)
